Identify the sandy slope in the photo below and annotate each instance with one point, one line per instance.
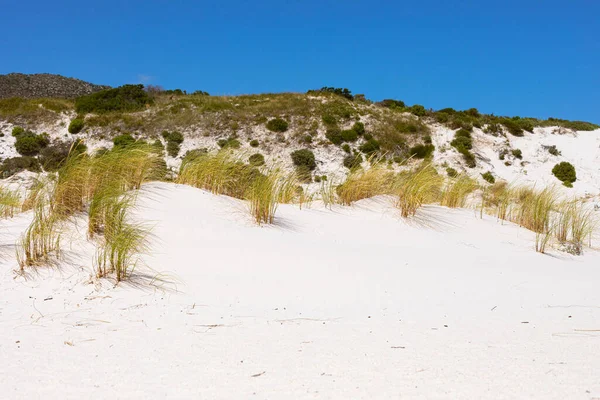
(350, 303)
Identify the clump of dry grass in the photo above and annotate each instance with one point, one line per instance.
(574, 223)
(457, 190)
(361, 184)
(264, 195)
(500, 196)
(417, 187)
(10, 202)
(327, 193)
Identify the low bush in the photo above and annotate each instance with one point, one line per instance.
(30, 144)
(277, 125)
(334, 135)
(452, 173)
(353, 161)
(417, 110)
(513, 127)
(123, 140)
(344, 92)
(304, 158)
(229, 143)
(392, 104)
(553, 150)
(53, 157)
(173, 148)
(517, 154)
(371, 146)
(329, 119)
(125, 98)
(76, 125)
(488, 177)
(463, 143)
(254, 143)
(256, 160)
(565, 172)
(349, 135)
(421, 150)
(11, 166)
(346, 148)
(17, 130)
(359, 128)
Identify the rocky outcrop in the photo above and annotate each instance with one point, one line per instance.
(44, 85)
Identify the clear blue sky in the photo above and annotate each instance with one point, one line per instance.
(528, 58)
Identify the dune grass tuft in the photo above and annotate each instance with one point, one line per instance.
(364, 183)
(10, 202)
(456, 191)
(417, 187)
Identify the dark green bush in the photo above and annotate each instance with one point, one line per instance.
(254, 143)
(230, 143)
(17, 130)
(11, 166)
(124, 98)
(305, 158)
(344, 92)
(76, 125)
(391, 103)
(353, 161)
(417, 110)
(553, 150)
(513, 127)
(173, 148)
(334, 134)
(349, 135)
(30, 144)
(123, 140)
(306, 139)
(565, 172)
(176, 137)
(52, 157)
(359, 128)
(277, 125)
(329, 119)
(421, 150)
(452, 173)
(370, 146)
(488, 177)
(517, 154)
(346, 148)
(256, 160)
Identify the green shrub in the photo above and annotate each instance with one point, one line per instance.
(417, 110)
(565, 172)
(173, 148)
(256, 160)
(517, 154)
(344, 92)
(277, 125)
(329, 119)
(176, 137)
(334, 134)
(513, 127)
(306, 139)
(52, 157)
(421, 150)
(123, 140)
(30, 144)
(359, 128)
(353, 161)
(304, 158)
(392, 104)
(125, 98)
(11, 166)
(488, 177)
(346, 148)
(230, 143)
(463, 143)
(17, 130)
(370, 146)
(76, 125)
(553, 150)
(349, 135)
(254, 143)
(452, 173)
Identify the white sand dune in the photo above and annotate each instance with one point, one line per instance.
(349, 303)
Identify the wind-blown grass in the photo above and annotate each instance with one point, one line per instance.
(10, 202)
(456, 191)
(417, 187)
(123, 240)
(364, 183)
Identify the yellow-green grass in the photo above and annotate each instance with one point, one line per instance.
(417, 187)
(10, 202)
(457, 190)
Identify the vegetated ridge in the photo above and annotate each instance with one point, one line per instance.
(32, 86)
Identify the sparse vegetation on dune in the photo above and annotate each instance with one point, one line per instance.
(10, 202)
(364, 183)
(457, 190)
